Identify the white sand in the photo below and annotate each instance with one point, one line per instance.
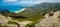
(20, 10)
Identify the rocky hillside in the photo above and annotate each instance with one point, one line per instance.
(50, 21)
(39, 10)
(8, 22)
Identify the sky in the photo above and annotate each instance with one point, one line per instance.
(14, 5)
(26, 2)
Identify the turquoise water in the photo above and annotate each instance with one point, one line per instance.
(11, 8)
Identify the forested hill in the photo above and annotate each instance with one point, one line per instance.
(42, 8)
(46, 6)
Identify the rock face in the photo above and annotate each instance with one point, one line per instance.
(3, 19)
(11, 25)
(50, 21)
(24, 23)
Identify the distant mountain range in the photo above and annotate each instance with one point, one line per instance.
(40, 9)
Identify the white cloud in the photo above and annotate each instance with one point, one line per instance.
(30, 2)
(33, 2)
(9, 0)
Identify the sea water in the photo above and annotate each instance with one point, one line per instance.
(11, 8)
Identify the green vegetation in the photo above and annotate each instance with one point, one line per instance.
(51, 14)
(11, 22)
(38, 11)
(32, 24)
(59, 17)
(3, 26)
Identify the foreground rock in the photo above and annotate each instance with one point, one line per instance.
(24, 23)
(50, 21)
(11, 25)
(3, 19)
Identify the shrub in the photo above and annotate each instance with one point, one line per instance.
(32, 24)
(3, 26)
(59, 17)
(11, 22)
(51, 14)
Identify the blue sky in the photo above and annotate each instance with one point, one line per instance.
(25, 2)
(15, 5)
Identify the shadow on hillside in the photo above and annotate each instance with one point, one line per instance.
(9, 14)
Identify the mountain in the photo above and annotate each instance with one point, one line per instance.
(4, 12)
(10, 14)
(46, 6)
(50, 21)
(39, 10)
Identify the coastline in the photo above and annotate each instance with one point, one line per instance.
(19, 10)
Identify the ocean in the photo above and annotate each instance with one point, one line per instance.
(12, 8)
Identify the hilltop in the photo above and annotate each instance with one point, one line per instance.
(50, 21)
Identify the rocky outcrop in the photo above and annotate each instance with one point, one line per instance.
(4, 21)
(24, 23)
(11, 25)
(50, 21)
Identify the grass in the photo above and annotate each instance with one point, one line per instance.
(11, 22)
(59, 17)
(3, 26)
(33, 18)
(32, 24)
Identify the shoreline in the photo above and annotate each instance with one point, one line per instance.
(20, 10)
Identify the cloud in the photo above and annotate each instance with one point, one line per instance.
(33, 1)
(29, 2)
(36, 1)
(9, 0)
